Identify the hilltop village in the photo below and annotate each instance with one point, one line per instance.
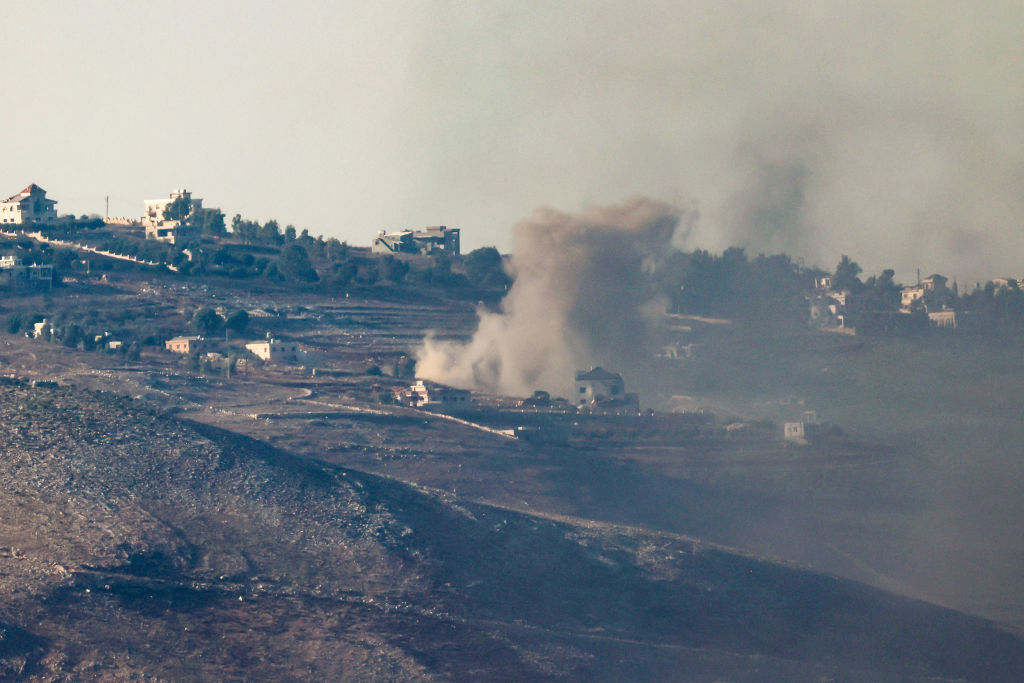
(214, 300)
(211, 302)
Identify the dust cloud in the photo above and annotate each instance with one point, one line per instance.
(580, 298)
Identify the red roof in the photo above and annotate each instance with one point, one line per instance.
(28, 191)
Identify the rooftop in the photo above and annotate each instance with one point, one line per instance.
(596, 372)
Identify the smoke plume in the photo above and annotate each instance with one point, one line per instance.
(580, 298)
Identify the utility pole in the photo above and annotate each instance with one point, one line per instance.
(106, 214)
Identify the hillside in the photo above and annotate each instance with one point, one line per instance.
(135, 545)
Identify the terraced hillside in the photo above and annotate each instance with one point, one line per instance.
(134, 545)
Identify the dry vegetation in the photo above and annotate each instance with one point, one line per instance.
(276, 524)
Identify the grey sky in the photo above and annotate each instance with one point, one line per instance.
(892, 131)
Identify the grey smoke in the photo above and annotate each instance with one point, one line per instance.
(580, 298)
(890, 131)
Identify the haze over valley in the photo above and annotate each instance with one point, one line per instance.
(475, 341)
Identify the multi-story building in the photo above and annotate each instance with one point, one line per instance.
(158, 227)
(437, 239)
(425, 394)
(602, 391)
(28, 206)
(16, 275)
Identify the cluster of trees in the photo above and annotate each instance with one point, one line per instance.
(209, 322)
(768, 290)
(205, 221)
(269, 234)
(995, 308)
(74, 334)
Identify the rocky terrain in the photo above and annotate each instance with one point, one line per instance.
(135, 546)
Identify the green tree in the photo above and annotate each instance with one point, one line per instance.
(343, 272)
(207, 321)
(178, 210)
(270, 233)
(237, 321)
(336, 250)
(272, 272)
(845, 277)
(15, 322)
(485, 268)
(395, 269)
(208, 221)
(369, 273)
(72, 336)
(295, 265)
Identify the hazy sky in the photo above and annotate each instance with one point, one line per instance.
(892, 131)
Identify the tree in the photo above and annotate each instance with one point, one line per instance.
(369, 274)
(485, 268)
(845, 277)
(270, 233)
(342, 273)
(72, 336)
(272, 272)
(237, 321)
(15, 321)
(336, 250)
(294, 263)
(178, 210)
(395, 270)
(207, 321)
(209, 222)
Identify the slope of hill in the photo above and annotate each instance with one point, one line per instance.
(132, 544)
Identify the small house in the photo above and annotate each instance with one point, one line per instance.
(185, 345)
(599, 390)
(794, 432)
(426, 394)
(276, 351)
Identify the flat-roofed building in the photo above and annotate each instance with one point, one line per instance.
(276, 350)
(436, 239)
(426, 394)
(159, 227)
(186, 345)
(16, 275)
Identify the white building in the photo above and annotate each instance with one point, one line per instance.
(908, 295)
(794, 432)
(276, 351)
(945, 319)
(28, 206)
(437, 239)
(598, 384)
(185, 345)
(165, 230)
(1002, 283)
(603, 391)
(424, 394)
(16, 275)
